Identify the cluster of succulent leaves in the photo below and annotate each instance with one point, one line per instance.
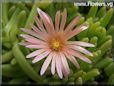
(16, 69)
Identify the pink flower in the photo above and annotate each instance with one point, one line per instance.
(52, 42)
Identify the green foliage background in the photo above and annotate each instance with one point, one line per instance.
(16, 69)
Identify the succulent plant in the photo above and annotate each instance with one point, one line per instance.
(16, 69)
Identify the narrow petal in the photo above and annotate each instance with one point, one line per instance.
(65, 73)
(43, 14)
(80, 49)
(44, 34)
(25, 36)
(35, 53)
(41, 56)
(78, 55)
(53, 64)
(30, 32)
(73, 60)
(79, 43)
(72, 24)
(64, 62)
(57, 20)
(58, 66)
(51, 22)
(32, 39)
(63, 21)
(36, 46)
(24, 43)
(40, 25)
(35, 29)
(46, 63)
(46, 20)
(76, 31)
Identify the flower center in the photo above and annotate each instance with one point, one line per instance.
(56, 44)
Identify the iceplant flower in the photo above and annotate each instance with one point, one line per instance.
(51, 41)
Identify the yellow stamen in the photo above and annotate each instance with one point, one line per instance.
(56, 44)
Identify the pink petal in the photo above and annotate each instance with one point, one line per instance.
(64, 62)
(43, 34)
(25, 43)
(35, 53)
(76, 31)
(35, 29)
(46, 20)
(25, 36)
(41, 56)
(36, 46)
(32, 39)
(65, 73)
(80, 49)
(46, 64)
(53, 64)
(51, 22)
(40, 25)
(43, 14)
(63, 20)
(79, 43)
(73, 60)
(59, 66)
(40, 36)
(72, 24)
(57, 20)
(79, 55)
